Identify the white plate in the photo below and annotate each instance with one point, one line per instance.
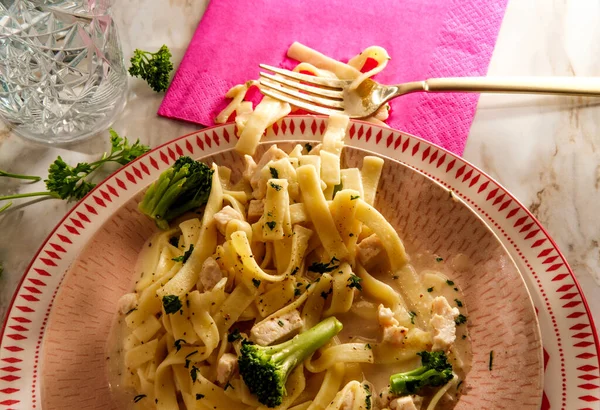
(571, 351)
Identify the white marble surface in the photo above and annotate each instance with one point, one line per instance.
(545, 150)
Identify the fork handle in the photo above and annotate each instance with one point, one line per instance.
(589, 86)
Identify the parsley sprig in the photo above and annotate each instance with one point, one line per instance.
(72, 182)
(154, 68)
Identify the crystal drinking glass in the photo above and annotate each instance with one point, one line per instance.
(62, 74)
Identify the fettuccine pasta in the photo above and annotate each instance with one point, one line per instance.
(296, 241)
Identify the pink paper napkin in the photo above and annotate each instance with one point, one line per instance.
(425, 38)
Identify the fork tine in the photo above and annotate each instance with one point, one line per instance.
(297, 103)
(304, 97)
(318, 91)
(339, 84)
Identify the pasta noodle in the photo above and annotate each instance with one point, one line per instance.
(240, 275)
(251, 124)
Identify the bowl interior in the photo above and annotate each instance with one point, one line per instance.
(501, 316)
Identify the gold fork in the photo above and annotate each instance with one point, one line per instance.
(328, 96)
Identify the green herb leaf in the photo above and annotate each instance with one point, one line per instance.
(337, 188)
(458, 303)
(412, 317)
(438, 259)
(186, 255)
(275, 186)
(174, 240)
(235, 335)
(139, 397)
(178, 343)
(354, 282)
(450, 283)
(255, 282)
(199, 396)
(194, 373)
(274, 173)
(353, 197)
(430, 289)
(367, 397)
(460, 319)
(271, 224)
(491, 360)
(320, 267)
(280, 323)
(325, 294)
(171, 304)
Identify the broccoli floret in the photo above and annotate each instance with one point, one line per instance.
(265, 369)
(435, 371)
(181, 188)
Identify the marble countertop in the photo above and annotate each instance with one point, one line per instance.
(545, 150)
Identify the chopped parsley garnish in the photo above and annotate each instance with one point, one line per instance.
(271, 224)
(280, 323)
(353, 197)
(337, 188)
(171, 303)
(430, 289)
(199, 396)
(438, 259)
(255, 282)
(194, 373)
(174, 240)
(325, 294)
(186, 255)
(458, 303)
(178, 343)
(368, 346)
(139, 397)
(412, 317)
(233, 336)
(320, 267)
(460, 319)
(297, 292)
(354, 282)
(296, 269)
(275, 186)
(368, 397)
(491, 360)
(450, 283)
(308, 147)
(274, 172)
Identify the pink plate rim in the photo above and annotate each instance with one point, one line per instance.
(568, 357)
